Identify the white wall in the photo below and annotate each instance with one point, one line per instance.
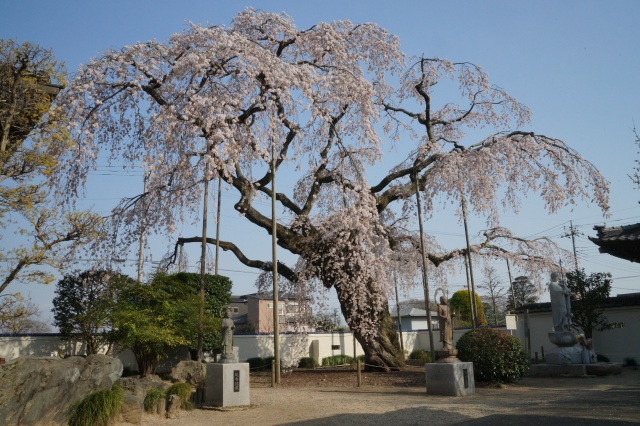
(617, 344)
(292, 347)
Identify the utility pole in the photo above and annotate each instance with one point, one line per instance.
(572, 233)
(141, 241)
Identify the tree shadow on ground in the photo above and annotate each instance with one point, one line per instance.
(408, 416)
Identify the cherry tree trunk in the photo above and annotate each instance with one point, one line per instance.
(382, 348)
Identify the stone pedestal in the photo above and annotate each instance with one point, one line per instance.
(564, 355)
(448, 355)
(451, 379)
(227, 385)
(230, 358)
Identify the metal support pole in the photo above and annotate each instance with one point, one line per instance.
(425, 278)
(218, 222)
(274, 251)
(395, 281)
(474, 309)
(203, 260)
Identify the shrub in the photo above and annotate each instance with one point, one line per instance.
(183, 390)
(98, 408)
(337, 360)
(307, 362)
(630, 362)
(497, 357)
(420, 355)
(258, 363)
(152, 397)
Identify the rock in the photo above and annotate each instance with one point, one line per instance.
(192, 372)
(131, 411)
(173, 405)
(139, 386)
(41, 390)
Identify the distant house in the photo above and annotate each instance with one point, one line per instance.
(254, 312)
(414, 319)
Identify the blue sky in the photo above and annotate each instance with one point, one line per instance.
(576, 64)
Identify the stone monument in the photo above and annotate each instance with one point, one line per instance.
(229, 353)
(228, 379)
(567, 350)
(448, 376)
(447, 353)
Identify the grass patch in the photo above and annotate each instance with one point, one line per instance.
(152, 397)
(337, 360)
(98, 408)
(183, 390)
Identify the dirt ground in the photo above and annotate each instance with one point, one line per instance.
(331, 397)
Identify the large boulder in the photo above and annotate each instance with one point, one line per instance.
(192, 372)
(40, 391)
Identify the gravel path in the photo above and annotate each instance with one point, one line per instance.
(613, 400)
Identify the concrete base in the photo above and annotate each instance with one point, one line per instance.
(564, 355)
(575, 370)
(451, 379)
(227, 385)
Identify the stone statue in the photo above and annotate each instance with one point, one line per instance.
(560, 304)
(444, 321)
(566, 351)
(227, 339)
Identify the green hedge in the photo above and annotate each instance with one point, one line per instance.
(497, 357)
(307, 362)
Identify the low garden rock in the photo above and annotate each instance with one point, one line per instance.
(41, 390)
(192, 372)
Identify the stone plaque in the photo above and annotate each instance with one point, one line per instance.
(236, 380)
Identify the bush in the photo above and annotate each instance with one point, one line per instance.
(98, 408)
(630, 362)
(152, 397)
(307, 362)
(420, 355)
(497, 357)
(183, 390)
(337, 360)
(258, 363)
(602, 358)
